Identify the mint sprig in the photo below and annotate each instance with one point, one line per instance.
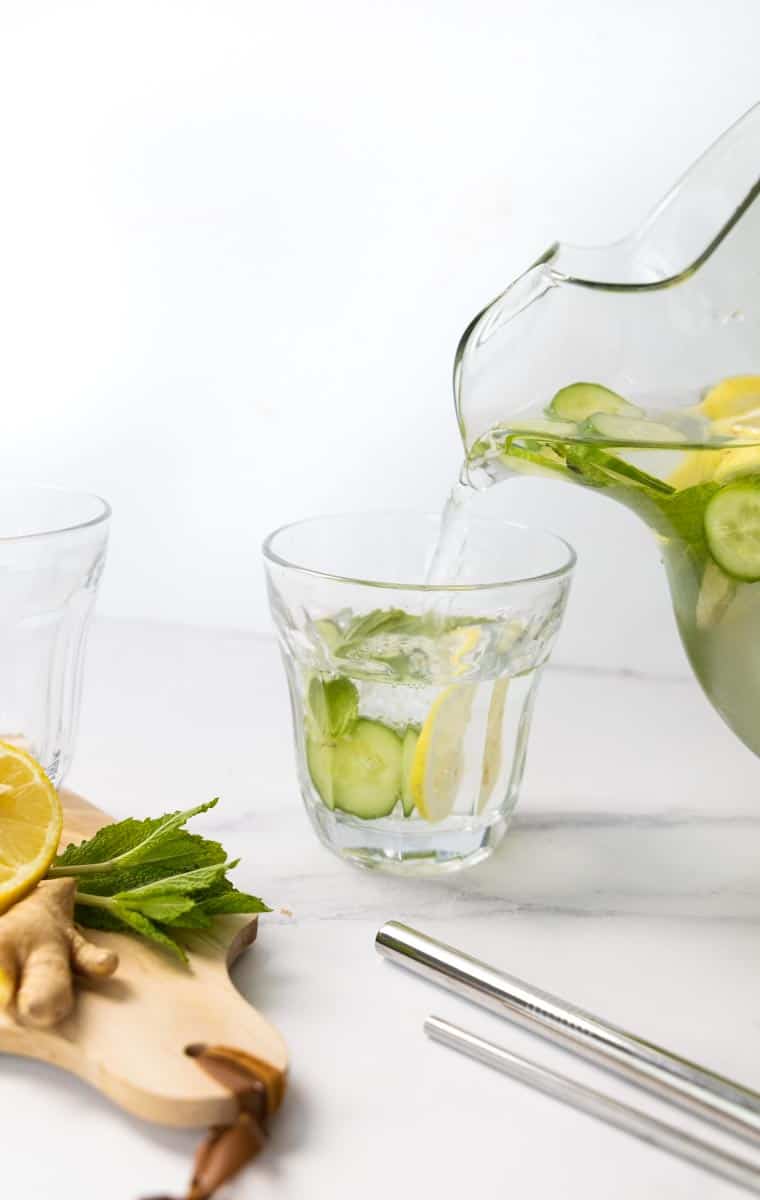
(153, 877)
(670, 512)
(333, 706)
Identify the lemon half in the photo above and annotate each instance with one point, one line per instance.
(31, 820)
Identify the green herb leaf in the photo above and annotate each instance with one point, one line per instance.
(684, 513)
(164, 908)
(334, 705)
(150, 876)
(130, 843)
(114, 918)
(193, 918)
(380, 620)
(176, 885)
(233, 902)
(375, 635)
(148, 929)
(600, 468)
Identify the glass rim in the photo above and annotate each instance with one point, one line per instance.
(53, 530)
(565, 569)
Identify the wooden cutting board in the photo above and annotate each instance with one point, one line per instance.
(127, 1035)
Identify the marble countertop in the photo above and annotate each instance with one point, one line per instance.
(629, 883)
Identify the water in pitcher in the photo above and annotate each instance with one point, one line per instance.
(692, 473)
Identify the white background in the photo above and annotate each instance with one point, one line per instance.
(239, 241)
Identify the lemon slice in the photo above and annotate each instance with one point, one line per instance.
(745, 460)
(706, 466)
(465, 642)
(744, 428)
(438, 759)
(732, 398)
(31, 819)
(698, 466)
(492, 755)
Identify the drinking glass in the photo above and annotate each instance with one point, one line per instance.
(52, 552)
(412, 703)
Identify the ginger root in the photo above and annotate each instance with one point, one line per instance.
(40, 947)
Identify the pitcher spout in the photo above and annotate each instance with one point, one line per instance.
(662, 314)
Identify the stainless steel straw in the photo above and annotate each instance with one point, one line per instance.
(632, 1120)
(695, 1088)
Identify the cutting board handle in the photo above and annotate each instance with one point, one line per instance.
(258, 1088)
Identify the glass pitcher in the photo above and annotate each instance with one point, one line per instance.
(634, 370)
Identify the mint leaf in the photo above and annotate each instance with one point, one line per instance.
(148, 929)
(221, 899)
(591, 465)
(374, 636)
(193, 918)
(334, 706)
(108, 882)
(150, 876)
(164, 908)
(176, 885)
(379, 620)
(109, 916)
(233, 902)
(129, 843)
(599, 468)
(169, 899)
(684, 513)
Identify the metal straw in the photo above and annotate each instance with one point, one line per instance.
(695, 1088)
(632, 1120)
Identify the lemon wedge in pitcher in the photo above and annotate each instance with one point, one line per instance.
(732, 398)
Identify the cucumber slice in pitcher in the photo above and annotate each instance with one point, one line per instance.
(319, 756)
(581, 400)
(366, 771)
(619, 429)
(543, 427)
(408, 747)
(732, 528)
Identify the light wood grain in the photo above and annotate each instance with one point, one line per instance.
(128, 1035)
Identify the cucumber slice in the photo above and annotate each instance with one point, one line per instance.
(616, 428)
(534, 462)
(366, 771)
(319, 756)
(732, 528)
(581, 400)
(408, 747)
(544, 428)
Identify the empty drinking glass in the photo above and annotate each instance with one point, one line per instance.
(52, 552)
